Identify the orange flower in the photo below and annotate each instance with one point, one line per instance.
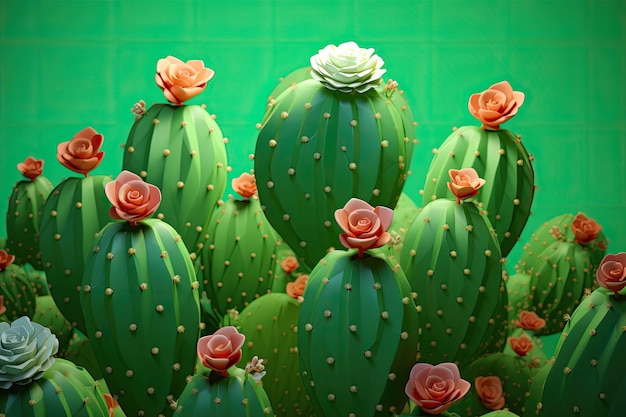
(585, 229)
(489, 390)
(111, 402)
(521, 345)
(5, 259)
(434, 388)
(296, 289)
(31, 167)
(611, 273)
(82, 153)
(245, 185)
(465, 183)
(529, 320)
(181, 81)
(365, 227)
(133, 199)
(221, 350)
(289, 264)
(495, 105)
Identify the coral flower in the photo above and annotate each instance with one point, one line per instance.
(489, 390)
(5, 259)
(495, 105)
(585, 229)
(31, 168)
(245, 185)
(289, 264)
(82, 153)
(464, 183)
(296, 289)
(611, 273)
(221, 350)
(434, 388)
(521, 345)
(181, 81)
(133, 199)
(365, 227)
(529, 320)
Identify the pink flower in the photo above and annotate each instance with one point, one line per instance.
(181, 81)
(221, 350)
(521, 345)
(289, 264)
(435, 387)
(133, 199)
(82, 153)
(296, 289)
(465, 183)
(496, 105)
(611, 273)
(529, 320)
(489, 390)
(585, 229)
(5, 259)
(365, 227)
(245, 185)
(31, 167)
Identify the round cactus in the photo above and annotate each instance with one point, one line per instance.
(18, 297)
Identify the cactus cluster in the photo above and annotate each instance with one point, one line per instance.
(18, 296)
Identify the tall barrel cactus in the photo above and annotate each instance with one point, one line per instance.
(24, 213)
(224, 390)
(498, 156)
(454, 265)
(237, 259)
(140, 301)
(18, 296)
(327, 139)
(180, 149)
(74, 212)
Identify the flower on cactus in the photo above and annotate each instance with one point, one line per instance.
(521, 345)
(296, 289)
(464, 183)
(347, 68)
(221, 350)
(31, 168)
(26, 351)
(3, 308)
(529, 320)
(111, 402)
(139, 109)
(585, 229)
(256, 368)
(495, 105)
(434, 388)
(611, 273)
(133, 199)
(181, 81)
(489, 390)
(365, 227)
(245, 185)
(6, 259)
(82, 153)
(289, 264)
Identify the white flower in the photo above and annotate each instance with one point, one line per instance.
(256, 368)
(347, 68)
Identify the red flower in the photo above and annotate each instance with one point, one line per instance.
(31, 167)
(434, 388)
(611, 273)
(495, 105)
(521, 345)
(585, 229)
(489, 390)
(529, 320)
(221, 350)
(82, 153)
(5, 259)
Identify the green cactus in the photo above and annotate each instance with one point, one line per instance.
(317, 148)
(37, 279)
(18, 295)
(64, 390)
(517, 290)
(74, 213)
(357, 335)
(80, 352)
(48, 315)
(140, 302)
(270, 324)
(533, 403)
(209, 394)
(587, 378)
(454, 265)
(236, 263)
(501, 159)
(181, 150)
(24, 219)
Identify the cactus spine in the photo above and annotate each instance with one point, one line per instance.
(140, 301)
(181, 150)
(364, 306)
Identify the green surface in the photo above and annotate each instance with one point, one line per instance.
(70, 64)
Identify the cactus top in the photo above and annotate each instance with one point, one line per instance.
(82, 153)
(31, 168)
(5, 259)
(347, 68)
(495, 105)
(132, 198)
(181, 81)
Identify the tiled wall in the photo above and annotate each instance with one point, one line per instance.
(65, 65)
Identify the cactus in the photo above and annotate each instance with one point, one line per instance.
(48, 315)
(37, 279)
(140, 302)
(364, 306)
(18, 296)
(319, 147)
(453, 263)
(533, 403)
(587, 378)
(80, 352)
(24, 214)
(517, 290)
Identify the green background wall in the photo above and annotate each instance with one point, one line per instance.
(66, 65)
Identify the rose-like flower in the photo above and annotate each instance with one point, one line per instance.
(6, 259)
(529, 320)
(31, 167)
(496, 105)
(347, 68)
(82, 153)
(133, 199)
(245, 185)
(181, 81)
(365, 227)
(585, 229)
(289, 264)
(489, 390)
(521, 345)
(296, 289)
(221, 350)
(611, 273)
(464, 183)
(26, 351)
(434, 388)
